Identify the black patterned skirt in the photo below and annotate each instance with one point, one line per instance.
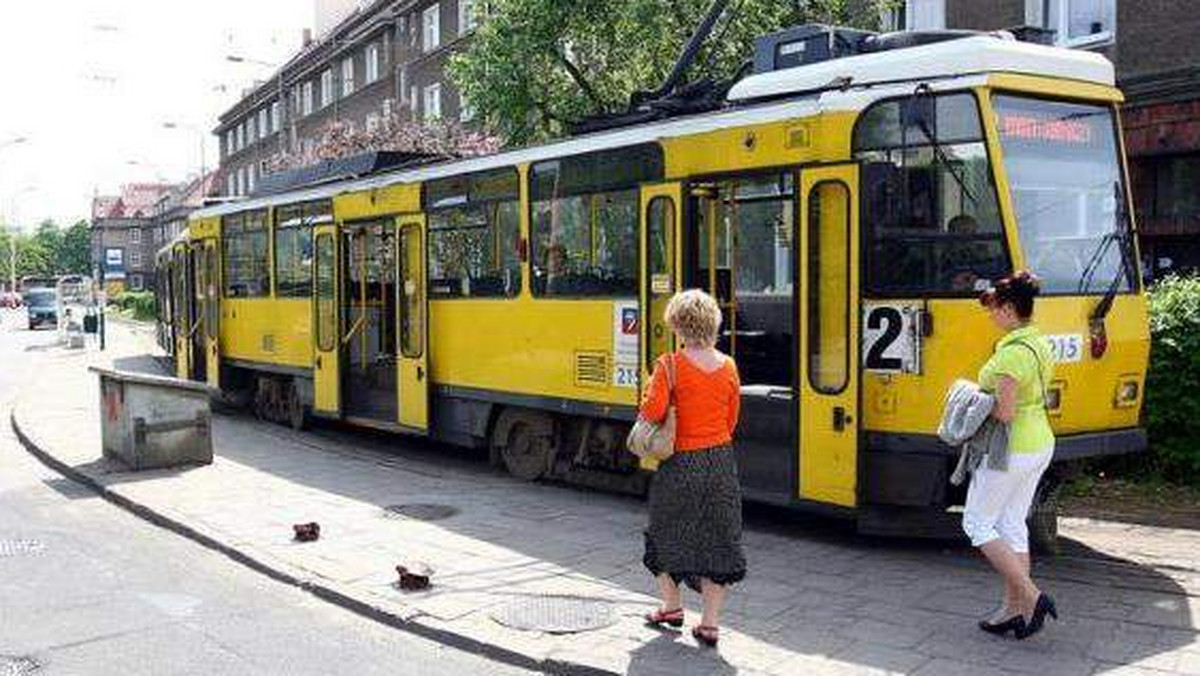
(696, 519)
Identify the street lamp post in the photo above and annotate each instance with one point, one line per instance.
(200, 133)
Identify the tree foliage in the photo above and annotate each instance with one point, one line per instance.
(48, 251)
(534, 67)
(1172, 407)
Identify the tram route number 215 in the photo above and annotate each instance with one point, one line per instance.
(892, 337)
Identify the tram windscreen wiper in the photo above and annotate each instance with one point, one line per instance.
(943, 158)
(1121, 234)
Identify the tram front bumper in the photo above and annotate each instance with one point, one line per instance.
(1098, 444)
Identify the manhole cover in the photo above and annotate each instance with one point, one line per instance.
(556, 614)
(9, 548)
(16, 666)
(420, 511)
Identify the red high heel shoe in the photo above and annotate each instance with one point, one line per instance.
(706, 635)
(662, 617)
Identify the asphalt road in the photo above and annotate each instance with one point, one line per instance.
(86, 588)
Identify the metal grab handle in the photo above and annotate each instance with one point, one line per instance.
(355, 327)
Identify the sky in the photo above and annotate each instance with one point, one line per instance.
(90, 83)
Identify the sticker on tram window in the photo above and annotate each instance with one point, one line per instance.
(1066, 347)
(626, 327)
(891, 337)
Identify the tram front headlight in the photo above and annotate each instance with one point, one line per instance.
(1128, 390)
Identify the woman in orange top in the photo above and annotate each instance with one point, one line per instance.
(695, 532)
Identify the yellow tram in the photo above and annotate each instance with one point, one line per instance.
(844, 212)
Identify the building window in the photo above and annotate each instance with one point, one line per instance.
(585, 221)
(251, 130)
(276, 116)
(135, 282)
(474, 235)
(347, 76)
(250, 176)
(414, 101)
(231, 184)
(466, 111)
(135, 259)
(247, 270)
(135, 236)
(431, 27)
(326, 87)
(466, 16)
(372, 63)
(294, 246)
(263, 122)
(1077, 23)
(433, 101)
(241, 136)
(921, 15)
(306, 98)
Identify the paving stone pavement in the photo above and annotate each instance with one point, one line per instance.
(817, 600)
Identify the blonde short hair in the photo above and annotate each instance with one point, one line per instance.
(695, 316)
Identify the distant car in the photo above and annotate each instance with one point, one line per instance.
(41, 306)
(10, 299)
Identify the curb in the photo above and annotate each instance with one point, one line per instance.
(324, 592)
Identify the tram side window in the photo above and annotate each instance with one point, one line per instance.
(475, 235)
(247, 270)
(585, 221)
(294, 246)
(929, 210)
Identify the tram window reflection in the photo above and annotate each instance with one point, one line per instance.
(247, 267)
(931, 221)
(474, 235)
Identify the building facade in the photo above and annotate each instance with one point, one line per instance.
(1157, 58)
(386, 58)
(124, 237)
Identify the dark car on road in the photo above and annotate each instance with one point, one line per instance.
(41, 305)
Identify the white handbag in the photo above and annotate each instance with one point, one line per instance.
(656, 440)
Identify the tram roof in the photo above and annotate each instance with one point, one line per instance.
(841, 84)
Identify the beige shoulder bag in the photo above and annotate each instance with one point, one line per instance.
(656, 440)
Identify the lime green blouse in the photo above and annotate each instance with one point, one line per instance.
(1030, 429)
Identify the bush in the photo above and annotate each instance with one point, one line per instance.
(142, 305)
(1172, 401)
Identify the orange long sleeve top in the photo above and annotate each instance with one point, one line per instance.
(706, 403)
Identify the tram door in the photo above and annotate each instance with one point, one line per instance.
(413, 325)
(368, 308)
(211, 309)
(829, 336)
(180, 318)
(327, 333)
(660, 206)
(198, 291)
(739, 247)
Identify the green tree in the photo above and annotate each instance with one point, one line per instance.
(534, 67)
(75, 250)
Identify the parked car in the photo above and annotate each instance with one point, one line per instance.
(10, 299)
(41, 305)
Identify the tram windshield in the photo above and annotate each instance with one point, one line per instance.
(1067, 192)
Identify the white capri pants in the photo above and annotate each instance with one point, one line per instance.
(998, 501)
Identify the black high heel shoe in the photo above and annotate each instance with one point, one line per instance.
(1014, 623)
(1044, 606)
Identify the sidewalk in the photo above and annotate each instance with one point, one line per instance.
(817, 600)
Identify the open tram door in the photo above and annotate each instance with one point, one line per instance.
(413, 326)
(327, 331)
(828, 365)
(210, 311)
(660, 218)
(181, 314)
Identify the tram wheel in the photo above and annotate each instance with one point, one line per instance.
(296, 410)
(526, 443)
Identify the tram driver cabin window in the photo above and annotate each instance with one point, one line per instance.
(475, 235)
(930, 218)
(585, 221)
(247, 269)
(294, 246)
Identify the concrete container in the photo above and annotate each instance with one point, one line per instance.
(154, 422)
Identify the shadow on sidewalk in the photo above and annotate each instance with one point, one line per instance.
(814, 586)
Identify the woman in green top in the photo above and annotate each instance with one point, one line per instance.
(998, 501)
